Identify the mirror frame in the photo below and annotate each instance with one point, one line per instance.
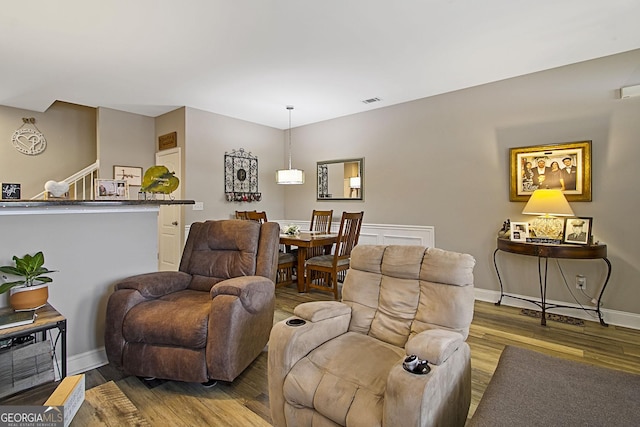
(360, 172)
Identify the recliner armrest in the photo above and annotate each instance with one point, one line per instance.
(317, 311)
(254, 292)
(434, 345)
(157, 284)
(323, 321)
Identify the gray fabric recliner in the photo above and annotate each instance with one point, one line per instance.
(207, 321)
(343, 366)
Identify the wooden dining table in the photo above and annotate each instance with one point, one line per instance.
(306, 240)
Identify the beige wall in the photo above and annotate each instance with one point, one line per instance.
(124, 139)
(443, 161)
(70, 132)
(209, 136)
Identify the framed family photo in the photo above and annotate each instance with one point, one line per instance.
(577, 230)
(519, 231)
(566, 167)
(111, 189)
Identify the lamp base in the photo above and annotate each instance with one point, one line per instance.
(547, 227)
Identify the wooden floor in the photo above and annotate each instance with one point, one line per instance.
(246, 402)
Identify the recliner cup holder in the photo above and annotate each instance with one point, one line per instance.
(296, 322)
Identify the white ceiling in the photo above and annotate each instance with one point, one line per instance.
(250, 58)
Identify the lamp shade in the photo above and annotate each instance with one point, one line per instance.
(290, 176)
(548, 202)
(354, 182)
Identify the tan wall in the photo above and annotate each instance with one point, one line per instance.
(70, 132)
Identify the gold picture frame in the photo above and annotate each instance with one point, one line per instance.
(565, 166)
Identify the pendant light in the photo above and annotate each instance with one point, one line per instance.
(290, 176)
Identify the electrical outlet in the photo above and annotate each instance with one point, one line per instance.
(581, 282)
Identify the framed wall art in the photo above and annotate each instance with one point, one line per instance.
(566, 167)
(111, 189)
(577, 230)
(131, 174)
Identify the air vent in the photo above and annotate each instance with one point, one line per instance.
(371, 100)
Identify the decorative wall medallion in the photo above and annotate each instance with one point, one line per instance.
(29, 141)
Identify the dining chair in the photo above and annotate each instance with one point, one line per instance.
(322, 271)
(261, 217)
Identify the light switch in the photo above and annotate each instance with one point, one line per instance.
(198, 206)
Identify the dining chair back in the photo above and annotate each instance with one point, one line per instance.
(261, 217)
(242, 214)
(322, 272)
(320, 222)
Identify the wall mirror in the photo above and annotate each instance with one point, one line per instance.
(341, 179)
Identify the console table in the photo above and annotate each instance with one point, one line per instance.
(545, 251)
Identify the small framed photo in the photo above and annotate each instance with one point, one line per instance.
(519, 231)
(111, 189)
(131, 174)
(10, 191)
(577, 230)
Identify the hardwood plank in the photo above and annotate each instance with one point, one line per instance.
(245, 401)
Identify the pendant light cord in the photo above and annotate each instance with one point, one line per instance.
(289, 107)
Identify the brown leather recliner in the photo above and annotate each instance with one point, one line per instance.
(207, 321)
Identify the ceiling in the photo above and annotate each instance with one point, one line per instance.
(248, 59)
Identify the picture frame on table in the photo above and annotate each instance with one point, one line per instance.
(111, 189)
(11, 191)
(577, 230)
(565, 166)
(519, 231)
(131, 174)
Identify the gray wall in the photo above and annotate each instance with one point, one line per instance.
(444, 161)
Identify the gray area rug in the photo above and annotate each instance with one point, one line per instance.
(534, 389)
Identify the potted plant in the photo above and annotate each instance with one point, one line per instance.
(32, 291)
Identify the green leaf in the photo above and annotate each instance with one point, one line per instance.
(10, 270)
(8, 285)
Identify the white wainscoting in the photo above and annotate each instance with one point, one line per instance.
(375, 234)
(382, 234)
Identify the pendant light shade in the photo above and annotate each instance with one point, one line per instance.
(290, 176)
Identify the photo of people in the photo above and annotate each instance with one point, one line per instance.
(577, 230)
(519, 231)
(565, 167)
(111, 189)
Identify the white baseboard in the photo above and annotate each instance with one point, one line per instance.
(86, 361)
(612, 317)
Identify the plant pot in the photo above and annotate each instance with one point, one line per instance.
(29, 297)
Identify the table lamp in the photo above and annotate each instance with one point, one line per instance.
(549, 204)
